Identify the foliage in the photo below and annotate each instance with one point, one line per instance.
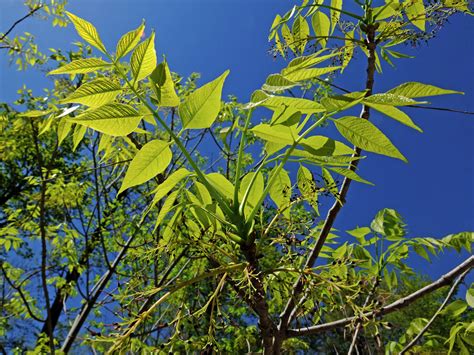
(111, 205)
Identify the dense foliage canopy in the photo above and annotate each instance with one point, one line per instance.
(119, 234)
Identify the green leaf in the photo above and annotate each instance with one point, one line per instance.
(360, 233)
(296, 104)
(392, 99)
(455, 309)
(396, 114)
(321, 26)
(167, 207)
(82, 66)
(162, 84)
(152, 159)
(95, 93)
(87, 31)
(277, 82)
(78, 135)
(389, 223)
(256, 190)
(307, 186)
(221, 184)
(288, 37)
(128, 41)
(470, 296)
(64, 127)
(307, 74)
(350, 174)
(280, 191)
(365, 135)
(415, 11)
(342, 102)
(276, 134)
(143, 60)
(331, 185)
(335, 13)
(300, 32)
(200, 109)
(414, 89)
(324, 146)
(170, 183)
(113, 119)
(348, 49)
(306, 62)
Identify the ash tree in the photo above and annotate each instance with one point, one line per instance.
(120, 234)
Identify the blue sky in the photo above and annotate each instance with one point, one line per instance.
(434, 192)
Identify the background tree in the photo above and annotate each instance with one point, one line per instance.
(153, 246)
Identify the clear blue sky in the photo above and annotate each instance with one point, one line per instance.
(433, 192)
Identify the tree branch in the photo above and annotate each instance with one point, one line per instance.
(444, 280)
(285, 317)
(446, 300)
(32, 11)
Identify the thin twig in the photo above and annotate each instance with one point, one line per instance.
(446, 300)
(444, 280)
(32, 11)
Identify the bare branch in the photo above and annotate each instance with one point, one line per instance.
(446, 300)
(32, 11)
(444, 280)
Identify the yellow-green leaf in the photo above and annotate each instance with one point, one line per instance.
(390, 98)
(296, 104)
(350, 174)
(143, 60)
(396, 114)
(321, 26)
(307, 186)
(223, 186)
(336, 6)
(87, 31)
(280, 191)
(277, 82)
(152, 159)
(170, 182)
(276, 134)
(307, 74)
(324, 146)
(128, 41)
(162, 84)
(113, 119)
(95, 93)
(414, 89)
(256, 190)
(200, 109)
(300, 32)
(81, 66)
(365, 135)
(415, 11)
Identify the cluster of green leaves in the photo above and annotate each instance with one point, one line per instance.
(115, 156)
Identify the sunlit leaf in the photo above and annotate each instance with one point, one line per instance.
(152, 159)
(82, 66)
(87, 31)
(365, 135)
(321, 26)
(113, 119)
(143, 60)
(163, 85)
(414, 89)
(201, 107)
(95, 93)
(280, 191)
(128, 41)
